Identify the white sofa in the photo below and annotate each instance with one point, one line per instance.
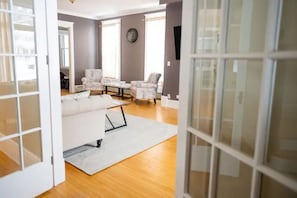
(83, 119)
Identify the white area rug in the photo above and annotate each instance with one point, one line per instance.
(119, 144)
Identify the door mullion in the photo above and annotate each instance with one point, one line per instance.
(219, 84)
(213, 172)
(266, 95)
(16, 77)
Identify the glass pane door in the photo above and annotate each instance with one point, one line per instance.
(24, 137)
(19, 97)
(238, 106)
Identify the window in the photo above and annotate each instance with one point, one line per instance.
(64, 48)
(111, 48)
(154, 44)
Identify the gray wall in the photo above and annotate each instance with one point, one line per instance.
(171, 74)
(85, 44)
(132, 54)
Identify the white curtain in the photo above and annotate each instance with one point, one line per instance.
(111, 48)
(5, 44)
(154, 44)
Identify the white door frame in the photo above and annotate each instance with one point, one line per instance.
(69, 25)
(55, 95)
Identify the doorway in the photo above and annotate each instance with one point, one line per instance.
(66, 55)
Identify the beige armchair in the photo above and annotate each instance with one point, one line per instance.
(145, 90)
(92, 80)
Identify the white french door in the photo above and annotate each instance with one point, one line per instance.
(238, 101)
(25, 137)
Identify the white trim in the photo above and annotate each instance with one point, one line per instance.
(251, 55)
(279, 177)
(283, 55)
(119, 14)
(130, 12)
(66, 12)
(254, 55)
(54, 89)
(185, 80)
(110, 22)
(69, 26)
(155, 16)
(165, 102)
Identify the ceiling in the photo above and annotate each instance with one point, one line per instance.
(100, 9)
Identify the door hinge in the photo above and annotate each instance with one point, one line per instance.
(47, 60)
(52, 160)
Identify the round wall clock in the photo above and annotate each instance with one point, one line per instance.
(132, 35)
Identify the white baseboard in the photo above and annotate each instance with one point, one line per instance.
(165, 102)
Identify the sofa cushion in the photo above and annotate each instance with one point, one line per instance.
(81, 105)
(84, 94)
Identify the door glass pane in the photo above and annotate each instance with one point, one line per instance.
(30, 113)
(4, 4)
(273, 189)
(9, 156)
(7, 83)
(199, 168)
(208, 25)
(23, 6)
(203, 95)
(241, 92)
(32, 148)
(282, 144)
(246, 25)
(288, 27)
(5, 33)
(8, 116)
(24, 34)
(234, 177)
(26, 73)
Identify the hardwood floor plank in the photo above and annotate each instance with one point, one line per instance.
(150, 173)
(7, 165)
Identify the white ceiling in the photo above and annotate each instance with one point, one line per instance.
(100, 9)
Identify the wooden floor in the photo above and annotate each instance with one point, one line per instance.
(7, 165)
(148, 174)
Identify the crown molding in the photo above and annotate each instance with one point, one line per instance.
(76, 14)
(133, 11)
(117, 14)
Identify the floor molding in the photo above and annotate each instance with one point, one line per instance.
(165, 102)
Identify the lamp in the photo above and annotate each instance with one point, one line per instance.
(72, 1)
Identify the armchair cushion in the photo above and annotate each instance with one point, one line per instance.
(92, 79)
(153, 78)
(145, 89)
(143, 84)
(93, 75)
